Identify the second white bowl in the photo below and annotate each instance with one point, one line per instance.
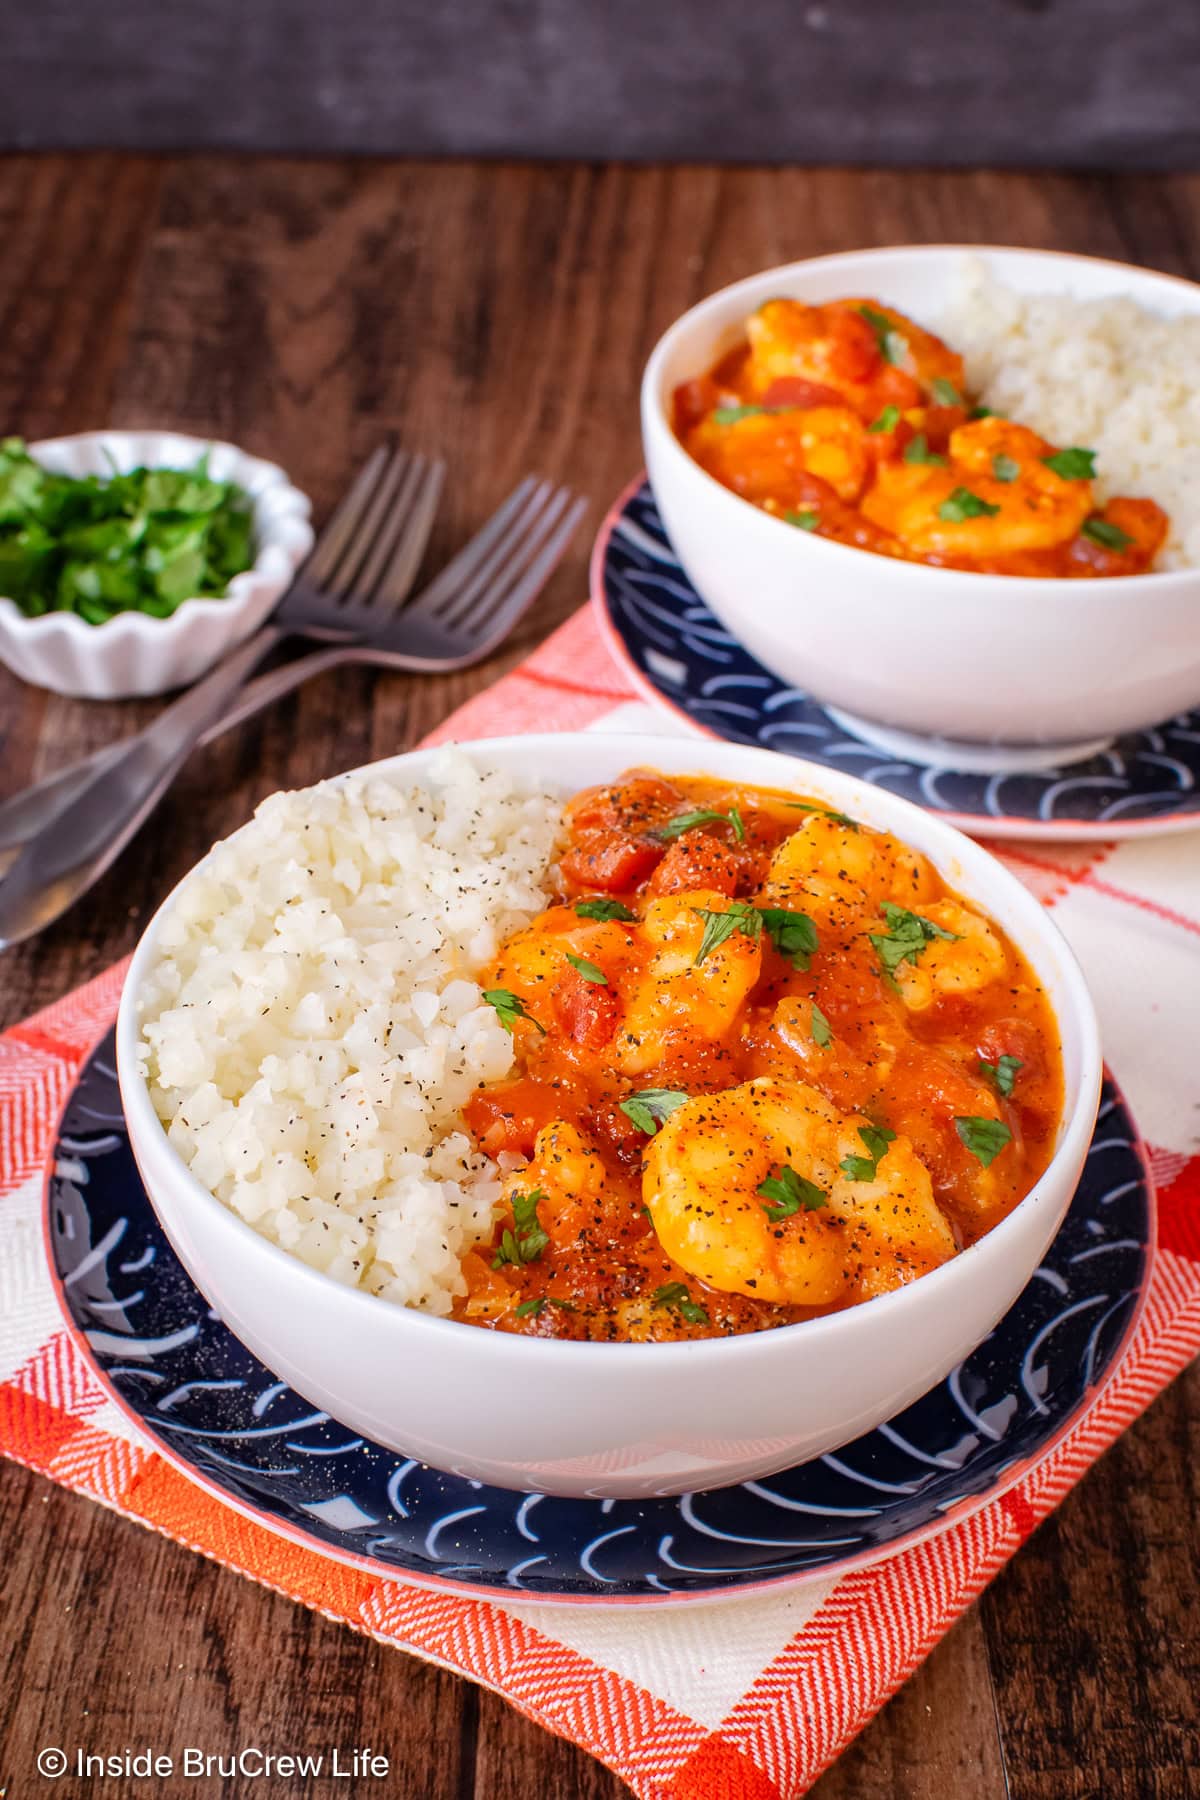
(992, 659)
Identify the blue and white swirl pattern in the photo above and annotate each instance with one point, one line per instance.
(689, 658)
(196, 1389)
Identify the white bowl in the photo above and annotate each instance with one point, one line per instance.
(135, 654)
(630, 1419)
(993, 659)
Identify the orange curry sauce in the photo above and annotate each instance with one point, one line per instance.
(842, 977)
(850, 421)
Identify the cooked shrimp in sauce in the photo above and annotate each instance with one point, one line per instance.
(850, 421)
(768, 1066)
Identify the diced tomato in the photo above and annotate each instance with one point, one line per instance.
(894, 387)
(1143, 526)
(794, 390)
(586, 1011)
(849, 985)
(614, 865)
(509, 1116)
(624, 808)
(611, 1126)
(696, 860)
(1013, 1037)
(939, 422)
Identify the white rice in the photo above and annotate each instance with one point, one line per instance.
(313, 1026)
(1106, 374)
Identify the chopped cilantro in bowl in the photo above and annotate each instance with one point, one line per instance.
(102, 545)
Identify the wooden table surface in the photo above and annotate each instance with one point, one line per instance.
(499, 316)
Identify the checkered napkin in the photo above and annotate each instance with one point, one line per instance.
(748, 1698)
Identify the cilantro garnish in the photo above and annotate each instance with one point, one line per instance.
(793, 933)
(963, 504)
(790, 1192)
(1003, 1072)
(891, 344)
(917, 451)
(729, 415)
(529, 1309)
(876, 1138)
(1105, 533)
(822, 1031)
(675, 1295)
(603, 909)
(906, 936)
(648, 1108)
(587, 969)
(806, 520)
(99, 546)
(888, 420)
(985, 412)
(945, 392)
(984, 1138)
(720, 926)
(508, 1008)
(703, 815)
(1073, 464)
(526, 1241)
(1005, 469)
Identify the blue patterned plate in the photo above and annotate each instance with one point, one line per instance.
(664, 635)
(227, 1422)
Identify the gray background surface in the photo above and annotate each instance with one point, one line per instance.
(1069, 83)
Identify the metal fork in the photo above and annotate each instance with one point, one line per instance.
(358, 565)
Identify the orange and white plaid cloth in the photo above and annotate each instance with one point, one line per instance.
(743, 1699)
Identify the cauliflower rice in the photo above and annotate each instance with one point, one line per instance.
(313, 1027)
(1107, 374)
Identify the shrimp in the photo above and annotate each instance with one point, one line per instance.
(674, 994)
(567, 1175)
(533, 963)
(868, 352)
(760, 454)
(964, 962)
(830, 868)
(863, 1222)
(994, 495)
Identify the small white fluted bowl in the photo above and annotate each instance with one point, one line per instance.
(632, 1419)
(135, 654)
(999, 660)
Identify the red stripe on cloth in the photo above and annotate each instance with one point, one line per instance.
(34, 1038)
(33, 1431)
(76, 1021)
(1144, 903)
(1050, 877)
(1179, 1212)
(719, 1768)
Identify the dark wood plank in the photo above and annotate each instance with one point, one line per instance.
(937, 1737)
(500, 316)
(1023, 82)
(1092, 1630)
